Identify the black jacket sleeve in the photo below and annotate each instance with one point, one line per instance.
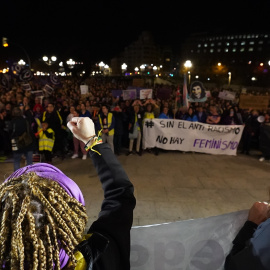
(116, 215)
(242, 255)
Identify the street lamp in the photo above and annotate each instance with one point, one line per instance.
(49, 61)
(124, 67)
(188, 65)
(142, 68)
(229, 78)
(21, 62)
(106, 69)
(5, 43)
(70, 63)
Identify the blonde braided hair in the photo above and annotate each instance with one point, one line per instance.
(37, 218)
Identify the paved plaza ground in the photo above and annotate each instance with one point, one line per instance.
(176, 186)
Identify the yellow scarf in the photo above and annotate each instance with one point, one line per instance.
(81, 263)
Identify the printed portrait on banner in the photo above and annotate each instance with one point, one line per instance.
(197, 92)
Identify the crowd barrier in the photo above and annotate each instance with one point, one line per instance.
(199, 244)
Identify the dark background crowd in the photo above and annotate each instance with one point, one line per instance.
(66, 101)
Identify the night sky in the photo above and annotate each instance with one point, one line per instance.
(99, 30)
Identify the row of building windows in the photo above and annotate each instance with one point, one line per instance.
(242, 43)
(226, 50)
(246, 36)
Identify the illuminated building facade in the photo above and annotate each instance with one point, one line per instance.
(246, 56)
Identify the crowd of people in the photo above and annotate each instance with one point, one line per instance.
(50, 206)
(120, 121)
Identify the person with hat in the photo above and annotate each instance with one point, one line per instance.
(43, 214)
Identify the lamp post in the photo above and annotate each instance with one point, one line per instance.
(49, 61)
(124, 68)
(70, 63)
(229, 78)
(5, 43)
(188, 65)
(142, 68)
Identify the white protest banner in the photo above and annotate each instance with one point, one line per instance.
(227, 95)
(146, 93)
(129, 94)
(84, 89)
(199, 244)
(187, 136)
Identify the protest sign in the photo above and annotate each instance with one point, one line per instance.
(37, 93)
(146, 93)
(117, 93)
(186, 136)
(48, 90)
(84, 89)
(129, 94)
(138, 82)
(227, 95)
(254, 102)
(26, 87)
(196, 92)
(199, 244)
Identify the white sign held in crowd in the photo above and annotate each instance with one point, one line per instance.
(84, 89)
(146, 93)
(187, 136)
(227, 95)
(198, 244)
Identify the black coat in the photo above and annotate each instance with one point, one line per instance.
(109, 246)
(18, 126)
(131, 120)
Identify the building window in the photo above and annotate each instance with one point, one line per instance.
(243, 43)
(234, 50)
(211, 50)
(227, 43)
(250, 49)
(212, 44)
(218, 50)
(242, 49)
(219, 44)
(205, 45)
(260, 42)
(199, 45)
(251, 42)
(226, 50)
(235, 43)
